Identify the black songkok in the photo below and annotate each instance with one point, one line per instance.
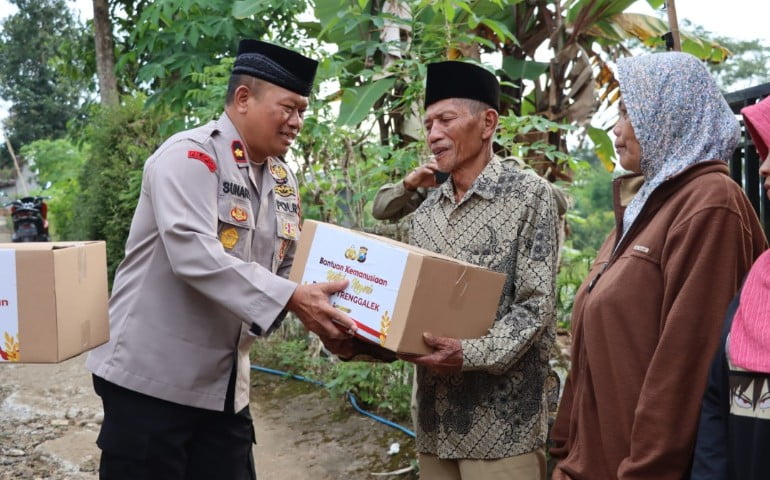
(456, 79)
(277, 65)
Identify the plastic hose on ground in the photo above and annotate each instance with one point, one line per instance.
(351, 397)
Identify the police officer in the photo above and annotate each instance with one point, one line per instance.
(210, 245)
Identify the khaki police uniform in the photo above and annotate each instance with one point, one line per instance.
(210, 245)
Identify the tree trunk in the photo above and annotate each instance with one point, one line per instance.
(105, 54)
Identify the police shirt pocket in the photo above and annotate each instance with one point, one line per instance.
(236, 222)
(287, 225)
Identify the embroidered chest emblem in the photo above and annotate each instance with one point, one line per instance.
(284, 190)
(229, 237)
(289, 229)
(239, 214)
(279, 173)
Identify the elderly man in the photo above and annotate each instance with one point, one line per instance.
(481, 403)
(210, 245)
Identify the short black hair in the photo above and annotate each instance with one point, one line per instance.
(238, 79)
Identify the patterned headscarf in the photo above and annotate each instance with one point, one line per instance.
(679, 116)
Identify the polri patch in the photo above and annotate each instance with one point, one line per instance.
(284, 190)
(279, 173)
(208, 161)
(239, 154)
(286, 206)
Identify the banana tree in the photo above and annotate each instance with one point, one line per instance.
(580, 36)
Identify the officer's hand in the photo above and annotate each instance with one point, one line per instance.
(311, 304)
(422, 176)
(446, 358)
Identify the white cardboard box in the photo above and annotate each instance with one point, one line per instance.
(398, 291)
(53, 300)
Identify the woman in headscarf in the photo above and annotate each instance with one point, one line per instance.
(734, 431)
(647, 319)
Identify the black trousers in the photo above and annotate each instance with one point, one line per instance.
(145, 438)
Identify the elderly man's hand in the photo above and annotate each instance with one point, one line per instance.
(423, 176)
(311, 304)
(447, 357)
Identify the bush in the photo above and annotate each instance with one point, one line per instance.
(590, 221)
(60, 162)
(121, 140)
(383, 387)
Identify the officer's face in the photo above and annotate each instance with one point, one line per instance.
(274, 117)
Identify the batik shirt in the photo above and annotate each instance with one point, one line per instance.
(496, 406)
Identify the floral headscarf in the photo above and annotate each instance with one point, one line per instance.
(679, 116)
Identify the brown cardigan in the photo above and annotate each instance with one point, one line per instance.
(645, 333)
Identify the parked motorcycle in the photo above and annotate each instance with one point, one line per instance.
(29, 216)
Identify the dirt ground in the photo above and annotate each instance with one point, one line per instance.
(50, 417)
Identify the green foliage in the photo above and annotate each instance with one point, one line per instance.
(59, 162)
(290, 356)
(592, 215)
(40, 75)
(590, 221)
(7, 175)
(208, 90)
(174, 39)
(341, 170)
(515, 134)
(604, 147)
(377, 136)
(121, 138)
(748, 64)
(357, 102)
(383, 387)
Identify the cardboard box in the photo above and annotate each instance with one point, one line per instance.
(398, 291)
(53, 300)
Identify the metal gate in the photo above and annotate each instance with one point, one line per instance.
(744, 166)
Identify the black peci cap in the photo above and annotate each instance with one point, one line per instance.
(455, 79)
(277, 65)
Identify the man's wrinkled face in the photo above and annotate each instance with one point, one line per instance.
(455, 134)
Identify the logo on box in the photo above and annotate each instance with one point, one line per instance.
(360, 257)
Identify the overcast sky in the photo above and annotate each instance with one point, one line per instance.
(740, 19)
